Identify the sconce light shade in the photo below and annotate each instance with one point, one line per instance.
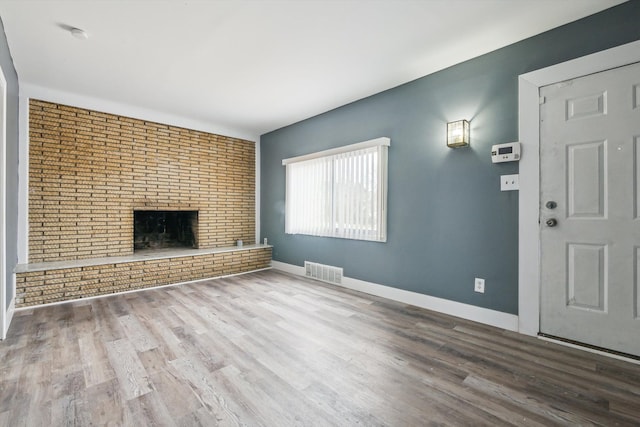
(458, 134)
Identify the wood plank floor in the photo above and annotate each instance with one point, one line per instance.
(270, 349)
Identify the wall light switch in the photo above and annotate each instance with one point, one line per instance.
(509, 182)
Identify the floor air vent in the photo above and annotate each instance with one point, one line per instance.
(326, 273)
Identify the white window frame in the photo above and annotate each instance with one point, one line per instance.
(330, 225)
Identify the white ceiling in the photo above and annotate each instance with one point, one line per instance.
(249, 67)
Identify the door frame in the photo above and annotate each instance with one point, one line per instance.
(5, 312)
(529, 199)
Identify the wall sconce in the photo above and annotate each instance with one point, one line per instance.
(458, 134)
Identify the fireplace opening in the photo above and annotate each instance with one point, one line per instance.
(153, 230)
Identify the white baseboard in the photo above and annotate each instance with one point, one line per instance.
(289, 268)
(466, 311)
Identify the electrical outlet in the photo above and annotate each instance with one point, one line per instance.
(509, 182)
(479, 285)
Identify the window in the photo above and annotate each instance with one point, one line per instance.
(339, 193)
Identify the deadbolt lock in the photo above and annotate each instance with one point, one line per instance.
(551, 205)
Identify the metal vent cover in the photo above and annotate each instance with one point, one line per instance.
(325, 273)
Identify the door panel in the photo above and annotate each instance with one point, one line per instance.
(589, 159)
(636, 283)
(587, 106)
(586, 187)
(587, 281)
(636, 173)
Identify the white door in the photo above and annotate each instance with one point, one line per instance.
(590, 209)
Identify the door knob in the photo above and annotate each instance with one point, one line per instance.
(551, 204)
(552, 222)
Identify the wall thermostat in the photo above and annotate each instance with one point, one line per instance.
(509, 152)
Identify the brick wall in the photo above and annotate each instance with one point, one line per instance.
(53, 285)
(88, 171)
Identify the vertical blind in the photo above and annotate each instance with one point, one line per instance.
(339, 193)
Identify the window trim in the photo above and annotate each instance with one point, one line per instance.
(339, 150)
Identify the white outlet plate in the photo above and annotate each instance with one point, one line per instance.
(509, 182)
(479, 285)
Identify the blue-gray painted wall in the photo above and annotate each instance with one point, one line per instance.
(6, 63)
(448, 222)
